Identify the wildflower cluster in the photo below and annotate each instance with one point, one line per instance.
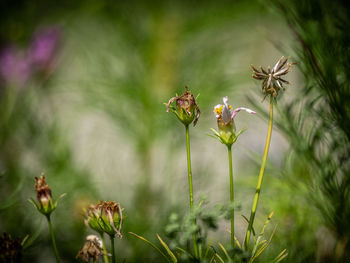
(105, 217)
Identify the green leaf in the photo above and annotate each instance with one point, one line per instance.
(218, 256)
(151, 244)
(32, 201)
(246, 219)
(27, 242)
(215, 132)
(281, 256)
(59, 198)
(171, 254)
(257, 242)
(240, 132)
(225, 251)
(207, 250)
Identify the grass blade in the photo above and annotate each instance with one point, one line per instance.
(225, 251)
(171, 254)
(151, 244)
(281, 256)
(207, 250)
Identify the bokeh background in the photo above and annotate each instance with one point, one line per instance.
(81, 99)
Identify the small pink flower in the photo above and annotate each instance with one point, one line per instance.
(225, 118)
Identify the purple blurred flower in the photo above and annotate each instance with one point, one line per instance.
(43, 49)
(14, 66)
(18, 66)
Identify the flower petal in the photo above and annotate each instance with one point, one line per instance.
(226, 112)
(234, 113)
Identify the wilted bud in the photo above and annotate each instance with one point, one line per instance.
(45, 204)
(225, 118)
(105, 217)
(186, 110)
(43, 194)
(92, 249)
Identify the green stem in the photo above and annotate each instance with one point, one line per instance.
(189, 170)
(105, 253)
(261, 175)
(112, 248)
(229, 147)
(53, 239)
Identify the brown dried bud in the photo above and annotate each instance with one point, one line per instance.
(92, 249)
(43, 193)
(10, 249)
(45, 204)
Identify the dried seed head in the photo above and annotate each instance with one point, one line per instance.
(186, 109)
(10, 249)
(92, 249)
(272, 81)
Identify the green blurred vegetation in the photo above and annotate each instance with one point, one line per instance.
(96, 124)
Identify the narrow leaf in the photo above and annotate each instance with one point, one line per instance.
(151, 244)
(281, 256)
(207, 250)
(171, 254)
(225, 251)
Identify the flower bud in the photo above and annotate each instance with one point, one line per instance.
(45, 204)
(105, 217)
(186, 110)
(225, 119)
(44, 196)
(92, 249)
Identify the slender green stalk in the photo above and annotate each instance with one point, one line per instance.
(261, 175)
(189, 170)
(229, 148)
(53, 239)
(112, 248)
(105, 253)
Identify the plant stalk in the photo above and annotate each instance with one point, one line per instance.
(105, 252)
(229, 148)
(112, 248)
(189, 171)
(261, 175)
(53, 239)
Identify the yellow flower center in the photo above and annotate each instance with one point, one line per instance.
(218, 109)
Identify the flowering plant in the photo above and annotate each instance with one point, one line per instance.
(225, 118)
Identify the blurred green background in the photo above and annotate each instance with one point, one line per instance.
(81, 99)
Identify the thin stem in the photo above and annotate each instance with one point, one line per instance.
(189, 170)
(53, 239)
(105, 253)
(231, 197)
(112, 248)
(261, 175)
